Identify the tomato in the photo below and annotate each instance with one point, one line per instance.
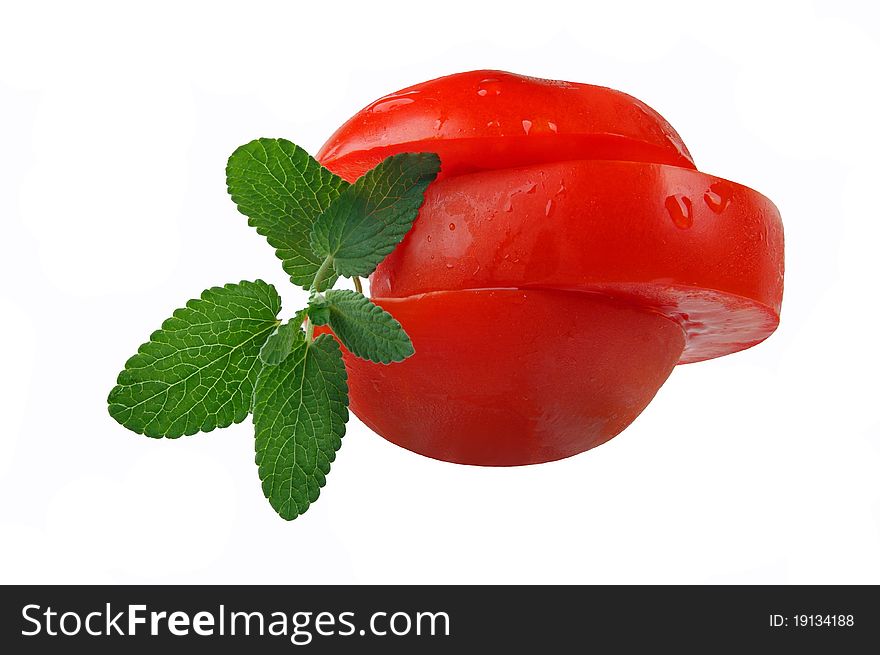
(491, 119)
(569, 257)
(504, 377)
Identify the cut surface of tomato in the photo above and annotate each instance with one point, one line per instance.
(488, 119)
(509, 377)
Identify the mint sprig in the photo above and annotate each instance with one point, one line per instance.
(227, 354)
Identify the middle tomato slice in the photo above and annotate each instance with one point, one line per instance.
(701, 249)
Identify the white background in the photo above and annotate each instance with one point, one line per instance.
(116, 124)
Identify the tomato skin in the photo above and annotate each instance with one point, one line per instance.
(705, 251)
(486, 119)
(509, 377)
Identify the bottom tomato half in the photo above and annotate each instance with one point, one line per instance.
(506, 377)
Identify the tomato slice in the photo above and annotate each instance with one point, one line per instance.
(509, 377)
(702, 250)
(487, 119)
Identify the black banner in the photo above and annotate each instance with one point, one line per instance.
(334, 619)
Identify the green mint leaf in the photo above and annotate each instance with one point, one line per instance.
(300, 411)
(371, 216)
(319, 309)
(282, 190)
(198, 371)
(281, 342)
(367, 330)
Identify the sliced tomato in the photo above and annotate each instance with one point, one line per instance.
(702, 250)
(508, 377)
(569, 257)
(491, 119)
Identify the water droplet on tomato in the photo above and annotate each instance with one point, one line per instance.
(718, 196)
(489, 87)
(449, 265)
(680, 210)
(389, 104)
(452, 227)
(527, 126)
(549, 208)
(552, 126)
(508, 204)
(532, 188)
(429, 238)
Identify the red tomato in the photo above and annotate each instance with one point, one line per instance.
(491, 119)
(570, 257)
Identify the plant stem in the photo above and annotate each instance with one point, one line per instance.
(317, 283)
(357, 285)
(326, 265)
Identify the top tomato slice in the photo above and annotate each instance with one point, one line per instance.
(486, 119)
